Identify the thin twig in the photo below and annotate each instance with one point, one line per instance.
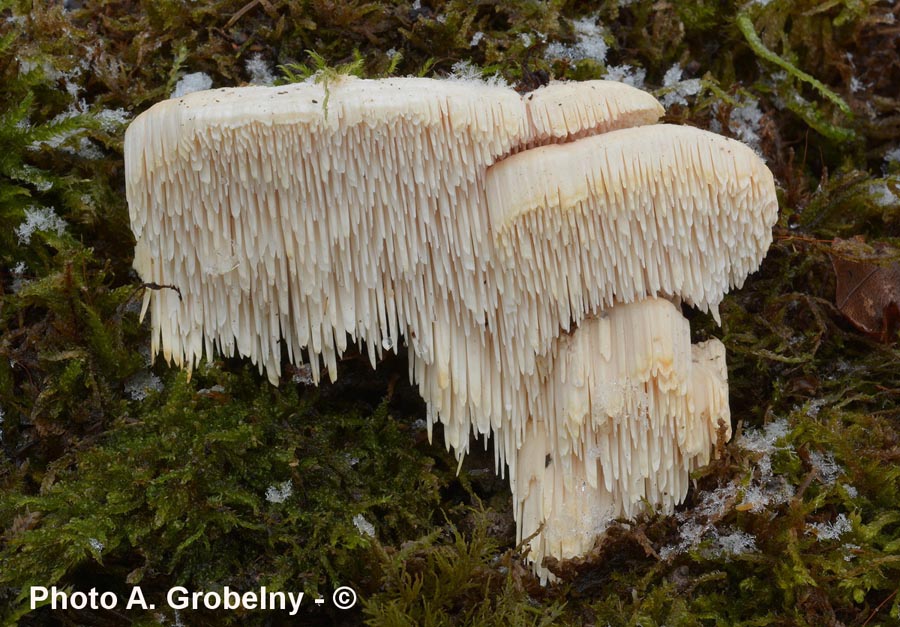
(880, 605)
(157, 286)
(811, 240)
(241, 12)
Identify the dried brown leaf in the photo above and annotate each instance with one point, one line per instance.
(868, 286)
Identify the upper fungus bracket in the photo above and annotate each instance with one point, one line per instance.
(661, 210)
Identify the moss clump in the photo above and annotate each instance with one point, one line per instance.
(221, 481)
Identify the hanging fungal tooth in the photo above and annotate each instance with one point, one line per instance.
(528, 250)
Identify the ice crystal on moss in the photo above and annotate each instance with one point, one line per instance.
(627, 74)
(824, 464)
(766, 490)
(65, 132)
(713, 544)
(882, 195)
(303, 375)
(764, 440)
(364, 526)
(189, 83)
(87, 149)
(212, 391)
(699, 524)
(143, 383)
(279, 493)
(735, 542)
(18, 275)
(714, 503)
(678, 88)
(850, 549)
(830, 530)
(814, 406)
(589, 43)
(112, 119)
(43, 219)
(745, 122)
(467, 71)
(766, 493)
(259, 71)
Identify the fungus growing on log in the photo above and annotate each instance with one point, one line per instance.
(531, 251)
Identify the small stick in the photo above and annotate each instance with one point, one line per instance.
(157, 286)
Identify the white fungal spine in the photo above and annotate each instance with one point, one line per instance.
(444, 214)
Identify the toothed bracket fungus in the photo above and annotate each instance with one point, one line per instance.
(531, 251)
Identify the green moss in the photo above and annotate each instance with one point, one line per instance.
(231, 484)
(451, 578)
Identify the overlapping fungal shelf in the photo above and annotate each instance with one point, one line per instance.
(478, 226)
(669, 210)
(623, 410)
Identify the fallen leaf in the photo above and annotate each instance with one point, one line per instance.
(868, 286)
